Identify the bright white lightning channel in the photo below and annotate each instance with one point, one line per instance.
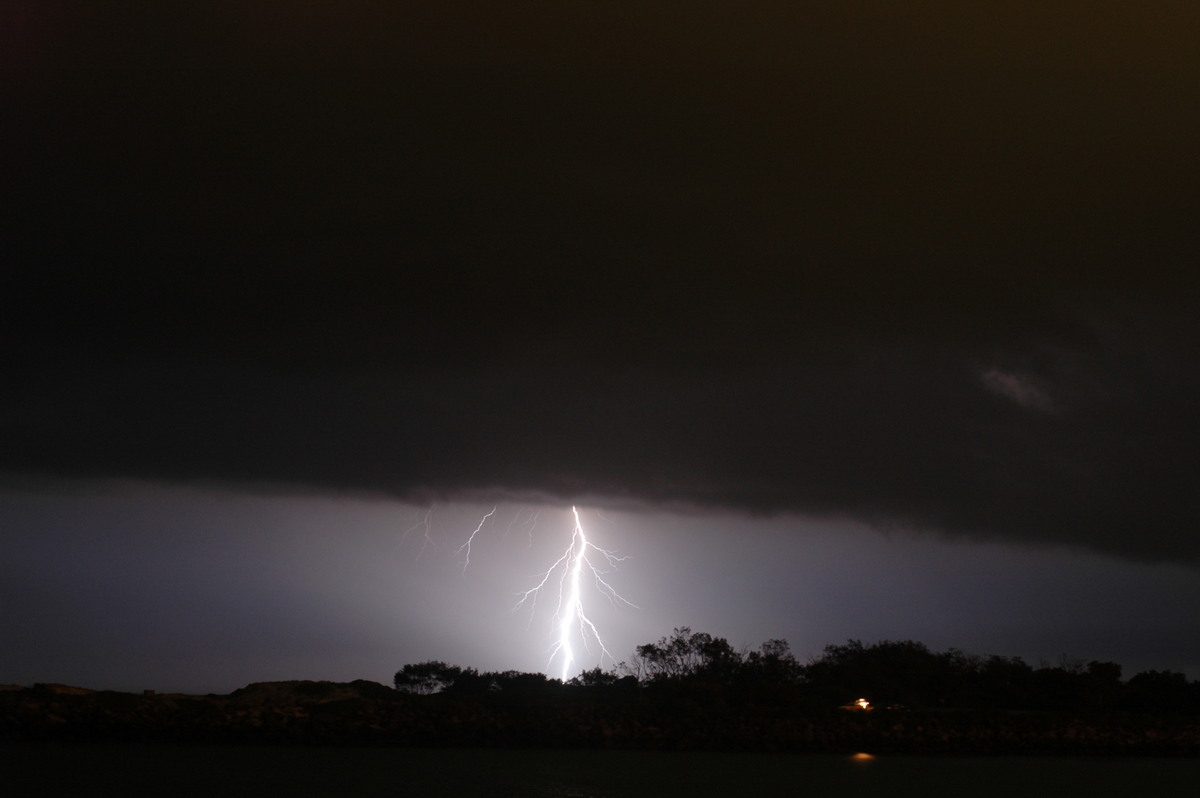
(569, 615)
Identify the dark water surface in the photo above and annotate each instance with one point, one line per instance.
(134, 770)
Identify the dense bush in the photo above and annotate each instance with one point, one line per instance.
(696, 666)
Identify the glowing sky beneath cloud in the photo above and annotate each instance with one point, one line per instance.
(132, 587)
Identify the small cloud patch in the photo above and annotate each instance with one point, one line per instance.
(1020, 388)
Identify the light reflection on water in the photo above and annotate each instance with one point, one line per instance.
(129, 770)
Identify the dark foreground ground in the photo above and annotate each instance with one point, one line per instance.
(63, 770)
(365, 714)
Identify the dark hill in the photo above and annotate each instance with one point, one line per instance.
(700, 718)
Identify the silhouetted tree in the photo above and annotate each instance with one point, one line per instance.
(1003, 682)
(1103, 684)
(684, 654)
(471, 682)
(772, 664)
(426, 678)
(904, 672)
(518, 683)
(596, 677)
(1161, 691)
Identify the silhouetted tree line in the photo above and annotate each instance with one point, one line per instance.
(686, 691)
(896, 675)
(907, 673)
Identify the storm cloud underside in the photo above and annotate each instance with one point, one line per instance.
(927, 271)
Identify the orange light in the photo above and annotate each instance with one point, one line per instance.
(863, 703)
(862, 757)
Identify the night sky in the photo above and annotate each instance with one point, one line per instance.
(837, 320)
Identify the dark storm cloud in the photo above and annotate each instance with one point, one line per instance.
(926, 269)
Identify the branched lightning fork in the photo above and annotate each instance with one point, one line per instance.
(569, 614)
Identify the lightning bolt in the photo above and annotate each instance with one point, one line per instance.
(533, 517)
(569, 615)
(467, 546)
(426, 540)
(574, 577)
